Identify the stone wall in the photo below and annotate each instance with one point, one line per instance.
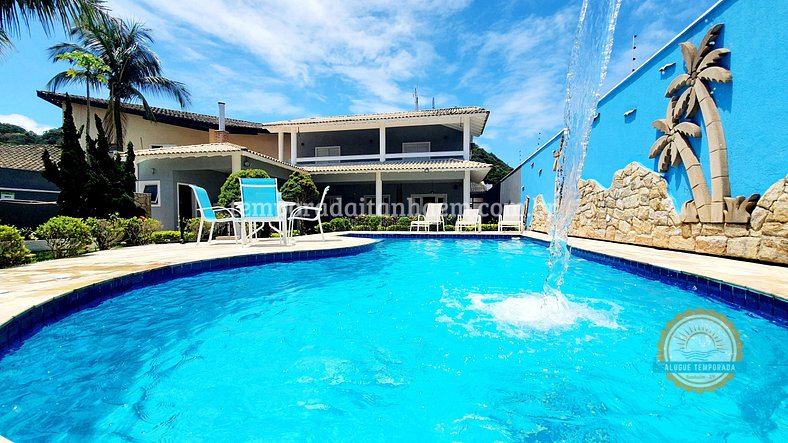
(636, 209)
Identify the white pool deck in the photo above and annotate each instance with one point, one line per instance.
(30, 285)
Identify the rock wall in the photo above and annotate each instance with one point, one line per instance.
(636, 209)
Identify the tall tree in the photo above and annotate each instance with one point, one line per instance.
(70, 172)
(91, 182)
(87, 68)
(134, 68)
(14, 14)
(499, 167)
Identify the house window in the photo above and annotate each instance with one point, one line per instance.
(371, 198)
(151, 187)
(327, 151)
(410, 147)
(422, 199)
(161, 145)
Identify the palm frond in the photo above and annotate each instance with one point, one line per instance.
(5, 42)
(661, 125)
(688, 128)
(690, 54)
(710, 39)
(676, 85)
(712, 57)
(663, 164)
(167, 88)
(658, 146)
(14, 14)
(716, 74)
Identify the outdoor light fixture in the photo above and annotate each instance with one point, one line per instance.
(664, 68)
(630, 112)
(246, 163)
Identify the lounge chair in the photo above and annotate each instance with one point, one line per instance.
(512, 218)
(262, 203)
(469, 218)
(432, 216)
(300, 213)
(208, 214)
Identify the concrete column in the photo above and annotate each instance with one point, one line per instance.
(466, 190)
(382, 143)
(466, 137)
(293, 147)
(236, 162)
(281, 146)
(378, 193)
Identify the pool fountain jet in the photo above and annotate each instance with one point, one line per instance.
(584, 79)
(587, 67)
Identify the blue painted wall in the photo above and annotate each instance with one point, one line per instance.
(753, 107)
(537, 176)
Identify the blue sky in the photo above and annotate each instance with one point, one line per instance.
(280, 59)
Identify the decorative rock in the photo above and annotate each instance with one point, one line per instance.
(744, 247)
(642, 213)
(711, 244)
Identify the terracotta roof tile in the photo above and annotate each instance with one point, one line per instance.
(26, 157)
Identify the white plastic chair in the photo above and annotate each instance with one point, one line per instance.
(317, 214)
(208, 214)
(512, 218)
(432, 216)
(469, 218)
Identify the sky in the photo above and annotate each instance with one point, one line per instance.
(281, 59)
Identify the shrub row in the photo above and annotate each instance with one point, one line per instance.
(386, 223)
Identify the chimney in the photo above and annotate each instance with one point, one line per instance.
(221, 136)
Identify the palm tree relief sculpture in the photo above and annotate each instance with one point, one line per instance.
(688, 93)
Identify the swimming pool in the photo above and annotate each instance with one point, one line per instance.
(399, 343)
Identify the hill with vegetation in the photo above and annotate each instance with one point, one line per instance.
(499, 169)
(17, 135)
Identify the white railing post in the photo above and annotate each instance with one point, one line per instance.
(378, 193)
(382, 143)
(293, 147)
(466, 137)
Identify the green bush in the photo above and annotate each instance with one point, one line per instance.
(300, 188)
(231, 189)
(166, 237)
(193, 228)
(66, 236)
(140, 229)
(489, 227)
(448, 228)
(337, 224)
(373, 222)
(12, 247)
(107, 232)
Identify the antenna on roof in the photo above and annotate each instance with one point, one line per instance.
(433, 102)
(416, 97)
(634, 46)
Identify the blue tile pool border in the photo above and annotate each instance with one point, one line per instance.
(16, 330)
(766, 305)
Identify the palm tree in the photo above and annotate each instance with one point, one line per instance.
(90, 70)
(673, 149)
(15, 13)
(701, 65)
(134, 68)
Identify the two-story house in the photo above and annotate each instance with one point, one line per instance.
(389, 163)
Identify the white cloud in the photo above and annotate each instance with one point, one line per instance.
(25, 122)
(525, 89)
(378, 47)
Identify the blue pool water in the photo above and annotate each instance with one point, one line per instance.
(409, 342)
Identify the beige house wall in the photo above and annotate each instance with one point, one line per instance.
(144, 133)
